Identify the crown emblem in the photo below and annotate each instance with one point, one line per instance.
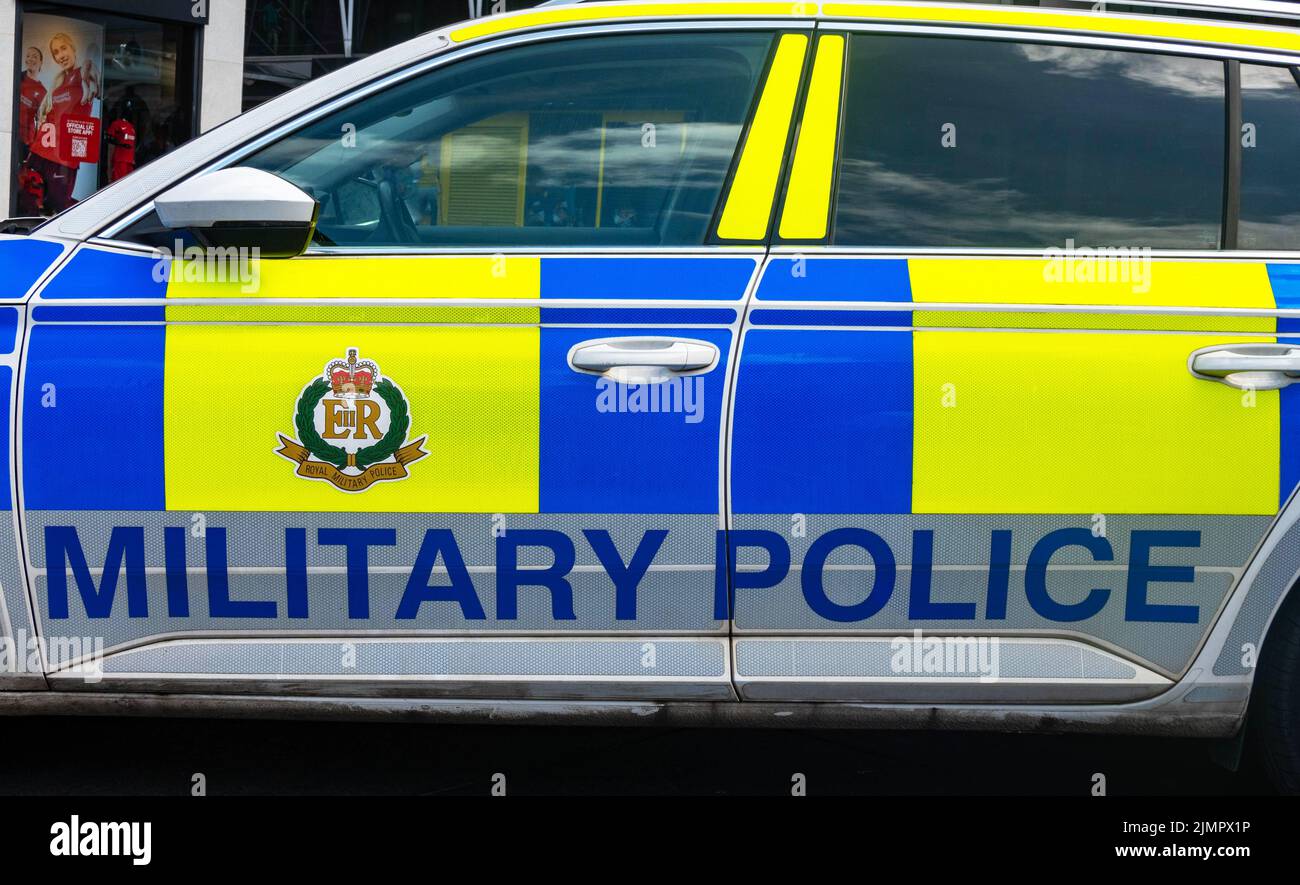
(353, 427)
(352, 377)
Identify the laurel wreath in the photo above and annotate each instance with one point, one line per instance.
(399, 421)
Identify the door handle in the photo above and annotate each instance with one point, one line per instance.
(649, 360)
(1253, 366)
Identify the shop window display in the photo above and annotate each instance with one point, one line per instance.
(98, 96)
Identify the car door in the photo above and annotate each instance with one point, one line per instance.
(469, 443)
(969, 461)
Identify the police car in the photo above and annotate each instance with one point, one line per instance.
(849, 364)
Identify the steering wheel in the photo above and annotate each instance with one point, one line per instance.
(395, 223)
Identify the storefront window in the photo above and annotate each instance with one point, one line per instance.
(99, 95)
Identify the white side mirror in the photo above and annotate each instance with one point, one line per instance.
(242, 208)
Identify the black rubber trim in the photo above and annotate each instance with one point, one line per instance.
(1232, 155)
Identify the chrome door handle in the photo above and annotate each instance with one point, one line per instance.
(1253, 366)
(649, 360)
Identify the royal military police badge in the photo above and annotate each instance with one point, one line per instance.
(352, 427)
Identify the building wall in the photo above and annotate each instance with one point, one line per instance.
(221, 85)
(8, 32)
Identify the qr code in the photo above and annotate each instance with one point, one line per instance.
(80, 147)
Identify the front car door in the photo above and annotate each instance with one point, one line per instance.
(441, 452)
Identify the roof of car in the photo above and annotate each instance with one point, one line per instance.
(1209, 23)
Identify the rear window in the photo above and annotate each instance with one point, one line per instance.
(982, 143)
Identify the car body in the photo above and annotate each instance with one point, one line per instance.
(815, 364)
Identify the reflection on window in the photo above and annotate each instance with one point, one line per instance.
(978, 143)
(1270, 147)
(483, 167)
(597, 141)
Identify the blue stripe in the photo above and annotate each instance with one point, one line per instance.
(6, 378)
(1285, 279)
(1289, 468)
(595, 456)
(788, 456)
(93, 418)
(615, 279)
(98, 273)
(22, 261)
(653, 315)
(900, 318)
(8, 329)
(98, 314)
(836, 279)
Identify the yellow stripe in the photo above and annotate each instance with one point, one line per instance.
(1066, 422)
(473, 392)
(1084, 22)
(575, 14)
(384, 313)
(1151, 322)
(749, 203)
(486, 276)
(808, 196)
(1143, 27)
(1136, 283)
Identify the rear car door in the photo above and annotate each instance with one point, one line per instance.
(468, 444)
(969, 461)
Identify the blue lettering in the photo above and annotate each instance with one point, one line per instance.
(728, 577)
(1036, 575)
(295, 572)
(882, 585)
(1141, 573)
(440, 542)
(358, 543)
(627, 577)
(178, 582)
(995, 606)
(920, 606)
(220, 605)
(125, 553)
(510, 577)
(125, 546)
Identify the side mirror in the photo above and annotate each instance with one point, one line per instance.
(242, 208)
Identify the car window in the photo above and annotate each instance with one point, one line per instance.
(1270, 146)
(982, 143)
(616, 141)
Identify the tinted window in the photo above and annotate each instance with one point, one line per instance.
(1270, 151)
(604, 141)
(952, 142)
